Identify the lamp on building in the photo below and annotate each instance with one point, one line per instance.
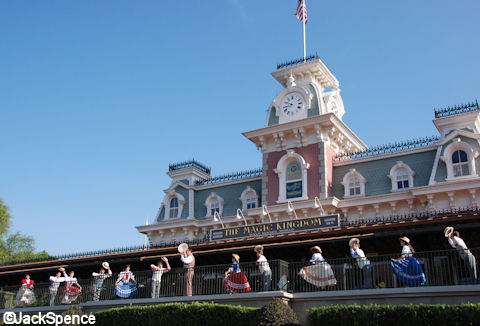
(318, 205)
(290, 209)
(217, 218)
(265, 212)
(240, 215)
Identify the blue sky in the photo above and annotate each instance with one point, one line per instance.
(98, 97)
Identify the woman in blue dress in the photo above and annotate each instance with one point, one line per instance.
(125, 285)
(235, 280)
(406, 268)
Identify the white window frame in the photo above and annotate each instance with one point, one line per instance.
(348, 177)
(247, 196)
(174, 209)
(166, 204)
(456, 145)
(281, 172)
(395, 170)
(212, 198)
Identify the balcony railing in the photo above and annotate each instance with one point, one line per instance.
(441, 268)
(367, 220)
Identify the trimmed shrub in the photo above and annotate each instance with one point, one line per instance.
(184, 314)
(411, 315)
(277, 313)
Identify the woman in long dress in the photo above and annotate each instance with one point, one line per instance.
(406, 268)
(320, 273)
(125, 286)
(71, 290)
(235, 280)
(25, 295)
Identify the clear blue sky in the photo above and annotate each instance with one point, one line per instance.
(98, 97)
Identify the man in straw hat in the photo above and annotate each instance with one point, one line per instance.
(158, 271)
(188, 261)
(362, 262)
(456, 242)
(263, 267)
(98, 279)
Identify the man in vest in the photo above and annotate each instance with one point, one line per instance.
(188, 261)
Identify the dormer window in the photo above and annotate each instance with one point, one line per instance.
(354, 184)
(459, 157)
(402, 179)
(251, 202)
(460, 163)
(214, 203)
(249, 198)
(173, 208)
(173, 204)
(402, 176)
(354, 187)
(214, 207)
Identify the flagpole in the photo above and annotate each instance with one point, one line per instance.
(304, 36)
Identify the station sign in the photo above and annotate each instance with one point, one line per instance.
(274, 228)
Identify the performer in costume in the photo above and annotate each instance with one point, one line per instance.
(406, 268)
(55, 283)
(158, 271)
(320, 273)
(263, 267)
(25, 295)
(98, 279)
(235, 280)
(125, 286)
(362, 262)
(72, 289)
(188, 261)
(456, 242)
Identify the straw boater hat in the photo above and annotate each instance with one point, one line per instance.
(258, 248)
(407, 240)
(316, 249)
(448, 231)
(352, 241)
(236, 257)
(105, 265)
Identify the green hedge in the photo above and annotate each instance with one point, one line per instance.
(405, 315)
(173, 314)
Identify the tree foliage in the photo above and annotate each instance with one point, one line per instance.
(15, 246)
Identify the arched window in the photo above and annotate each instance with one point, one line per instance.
(402, 176)
(460, 163)
(293, 180)
(252, 201)
(214, 207)
(292, 176)
(173, 204)
(173, 208)
(354, 184)
(402, 179)
(354, 187)
(459, 157)
(249, 198)
(214, 203)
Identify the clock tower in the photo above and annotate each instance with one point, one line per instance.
(303, 132)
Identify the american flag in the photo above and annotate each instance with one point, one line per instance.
(301, 10)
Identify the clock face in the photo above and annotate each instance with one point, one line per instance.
(292, 104)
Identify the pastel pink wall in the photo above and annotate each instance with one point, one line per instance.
(330, 155)
(310, 154)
